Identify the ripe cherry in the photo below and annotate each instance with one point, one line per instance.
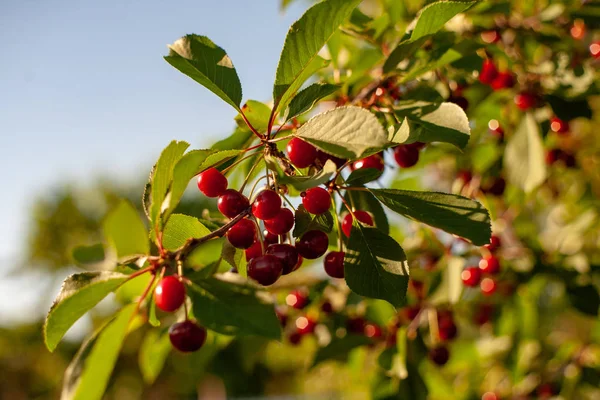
(187, 336)
(212, 183)
(488, 286)
(301, 153)
(526, 100)
(447, 329)
(295, 338)
(327, 307)
(488, 72)
(373, 331)
(439, 355)
(490, 37)
(494, 244)
(265, 269)
(356, 325)
(495, 129)
(266, 205)
(270, 238)
(316, 200)
(504, 80)
(297, 299)
(578, 29)
(323, 157)
(411, 312)
(362, 216)
(489, 265)
(232, 202)
(546, 390)
(374, 161)
(555, 155)
(558, 125)
(484, 314)
(287, 254)
(464, 176)
(495, 186)
(406, 155)
(471, 276)
(242, 235)
(334, 264)
(281, 223)
(169, 294)
(299, 263)
(254, 251)
(595, 49)
(313, 244)
(305, 325)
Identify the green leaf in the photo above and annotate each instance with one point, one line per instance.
(162, 176)
(339, 348)
(234, 307)
(524, 158)
(235, 141)
(363, 175)
(306, 99)
(79, 293)
(363, 200)
(125, 231)
(452, 213)
(232, 255)
(404, 50)
(304, 40)
(307, 182)
(179, 229)
(88, 254)
(258, 115)
(345, 132)
(304, 222)
(87, 376)
(153, 353)
(433, 17)
(199, 58)
(375, 265)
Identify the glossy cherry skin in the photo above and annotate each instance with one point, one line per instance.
(488, 72)
(316, 200)
(362, 216)
(373, 331)
(231, 203)
(334, 264)
(558, 125)
(526, 100)
(287, 254)
(270, 238)
(489, 265)
(494, 244)
(439, 355)
(297, 299)
(305, 325)
(265, 269)
(169, 294)
(488, 286)
(301, 153)
(595, 49)
(471, 276)
(313, 244)
(406, 155)
(266, 205)
(212, 183)
(253, 251)
(490, 37)
(375, 161)
(187, 336)
(504, 80)
(242, 235)
(281, 223)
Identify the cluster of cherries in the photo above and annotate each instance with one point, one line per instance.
(482, 275)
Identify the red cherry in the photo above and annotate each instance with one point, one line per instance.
(316, 200)
(323, 157)
(301, 153)
(187, 336)
(483, 314)
(489, 265)
(295, 338)
(375, 161)
(212, 183)
(411, 312)
(488, 72)
(558, 125)
(334, 264)
(595, 49)
(265, 269)
(555, 155)
(270, 238)
(297, 299)
(488, 286)
(546, 390)
(313, 244)
(362, 216)
(287, 254)
(266, 205)
(439, 355)
(299, 263)
(504, 80)
(327, 307)
(231, 203)
(526, 100)
(305, 325)
(578, 30)
(447, 329)
(495, 129)
(495, 187)
(490, 37)
(373, 331)
(242, 235)
(494, 244)
(470, 276)
(281, 315)
(465, 176)
(406, 156)
(254, 251)
(356, 325)
(169, 294)
(281, 223)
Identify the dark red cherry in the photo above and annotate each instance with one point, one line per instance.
(484, 314)
(282, 315)
(254, 251)
(242, 235)
(265, 269)
(281, 223)
(297, 299)
(411, 312)
(266, 205)
(313, 244)
(287, 254)
(494, 244)
(362, 216)
(374, 161)
(270, 238)
(356, 325)
(406, 156)
(327, 307)
(495, 186)
(439, 355)
(334, 264)
(212, 183)
(447, 329)
(305, 325)
(231, 203)
(488, 72)
(558, 125)
(299, 263)
(316, 200)
(295, 338)
(169, 294)
(488, 286)
(301, 153)
(489, 265)
(187, 336)
(526, 100)
(471, 276)
(546, 390)
(504, 80)
(373, 331)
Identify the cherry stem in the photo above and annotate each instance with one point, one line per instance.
(239, 161)
(142, 271)
(143, 296)
(247, 179)
(434, 329)
(281, 138)
(252, 128)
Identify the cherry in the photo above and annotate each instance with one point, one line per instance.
(578, 30)
(212, 183)
(447, 329)
(504, 80)
(488, 72)
(595, 49)
(490, 37)
(488, 286)
(356, 325)
(316, 200)
(287, 254)
(411, 312)
(489, 265)
(295, 338)
(305, 325)
(546, 390)
(231, 203)
(242, 235)
(313, 244)
(266, 205)
(327, 307)
(406, 155)
(464, 175)
(297, 299)
(281, 223)
(187, 336)
(323, 157)
(300, 261)
(439, 355)
(169, 294)
(282, 315)
(494, 244)
(526, 100)
(254, 251)
(558, 125)
(270, 238)
(483, 314)
(495, 129)
(265, 269)
(495, 187)
(375, 161)
(555, 155)
(301, 153)
(362, 216)
(334, 264)
(471, 276)
(373, 331)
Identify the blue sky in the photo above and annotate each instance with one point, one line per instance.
(84, 90)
